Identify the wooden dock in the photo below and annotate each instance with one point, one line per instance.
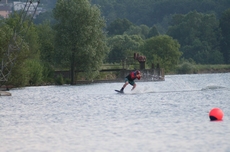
(5, 93)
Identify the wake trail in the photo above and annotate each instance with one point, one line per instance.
(207, 88)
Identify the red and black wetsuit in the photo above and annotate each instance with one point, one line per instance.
(131, 77)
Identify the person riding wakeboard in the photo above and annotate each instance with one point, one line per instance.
(129, 79)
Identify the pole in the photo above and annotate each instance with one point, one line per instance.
(73, 67)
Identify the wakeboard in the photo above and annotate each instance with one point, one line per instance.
(119, 91)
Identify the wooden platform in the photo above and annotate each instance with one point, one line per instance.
(5, 93)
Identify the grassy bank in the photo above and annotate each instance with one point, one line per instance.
(189, 68)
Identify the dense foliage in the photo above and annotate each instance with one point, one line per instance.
(199, 35)
(78, 34)
(163, 50)
(225, 31)
(150, 12)
(23, 46)
(123, 46)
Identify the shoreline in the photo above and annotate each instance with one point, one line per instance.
(4, 89)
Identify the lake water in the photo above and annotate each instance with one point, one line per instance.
(166, 116)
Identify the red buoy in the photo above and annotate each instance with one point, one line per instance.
(216, 114)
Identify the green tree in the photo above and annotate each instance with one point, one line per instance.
(153, 32)
(5, 36)
(23, 45)
(199, 36)
(152, 12)
(47, 50)
(46, 37)
(162, 50)
(35, 74)
(119, 26)
(123, 46)
(141, 30)
(44, 17)
(225, 28)
(80, 36)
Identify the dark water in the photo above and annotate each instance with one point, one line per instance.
(157, 116)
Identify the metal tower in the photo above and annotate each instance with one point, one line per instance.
(9, 57)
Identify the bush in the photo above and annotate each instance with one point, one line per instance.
(18, 76)
(35, 70)
(186, 68)
(59, 80)
(67, 81)
(48, 73)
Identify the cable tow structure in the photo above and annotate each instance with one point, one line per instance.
(14, 46)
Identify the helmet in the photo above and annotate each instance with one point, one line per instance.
(138, 72)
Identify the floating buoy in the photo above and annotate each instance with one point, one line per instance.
(216, 114)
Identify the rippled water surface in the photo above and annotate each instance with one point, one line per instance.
(157, 116)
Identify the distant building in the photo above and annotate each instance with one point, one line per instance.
(18, 6)
(4, 1)
(5, 11)
(7, 8)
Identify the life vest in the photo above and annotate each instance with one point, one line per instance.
(132, 76)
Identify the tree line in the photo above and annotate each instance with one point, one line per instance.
(150, 12)
(76, 36)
